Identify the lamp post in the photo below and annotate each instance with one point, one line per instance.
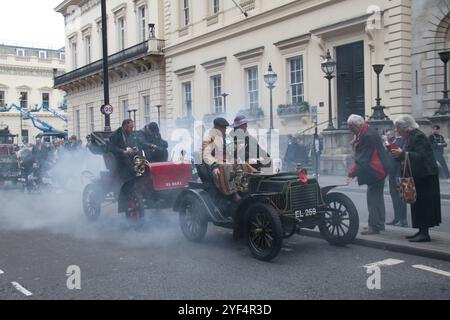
(134, 116)
(224, 96)
(270, 78)
(378, 110)
(444, 103)
(328, 67)
(105, 65)
(159, 115)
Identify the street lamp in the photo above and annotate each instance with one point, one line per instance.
(105, 65)
(444, 107)
(378, 110)
(159, 115)
(224, 96)
(270, 78)
(328, 67)
(134, 116)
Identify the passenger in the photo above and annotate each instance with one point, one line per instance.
(150, 141)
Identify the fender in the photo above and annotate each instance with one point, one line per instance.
(204, 198)
(327, 189)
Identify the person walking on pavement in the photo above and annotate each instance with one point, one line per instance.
(438, 144)
(393, 142)
(426, 211)
(370, 167)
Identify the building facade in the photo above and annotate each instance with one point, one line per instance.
(137, 70)
(26, 80)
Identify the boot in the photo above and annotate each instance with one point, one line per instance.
(423, 236)
(413, 236)
(393, 222)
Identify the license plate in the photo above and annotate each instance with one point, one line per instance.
(301, 214)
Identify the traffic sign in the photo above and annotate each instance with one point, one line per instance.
(107, 109)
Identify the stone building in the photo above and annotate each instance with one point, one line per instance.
(26, 79)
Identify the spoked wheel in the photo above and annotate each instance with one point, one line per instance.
(135, 209)
(193, 221)
(341, 222)
(92, 202)
(264, 231)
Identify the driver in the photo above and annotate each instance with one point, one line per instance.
(122, 146)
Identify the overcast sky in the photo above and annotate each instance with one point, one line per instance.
(32, 22)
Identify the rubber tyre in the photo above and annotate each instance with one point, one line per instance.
(193, 220)
(92, 202)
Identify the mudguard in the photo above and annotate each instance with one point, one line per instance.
(213, 213)
(327, 189)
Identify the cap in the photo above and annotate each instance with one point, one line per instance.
(239, 121)
(221, 123)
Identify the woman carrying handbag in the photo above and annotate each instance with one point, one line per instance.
(420, 164)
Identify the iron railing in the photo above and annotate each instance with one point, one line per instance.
(128, 54)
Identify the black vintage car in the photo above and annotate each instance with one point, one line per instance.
(273, 207)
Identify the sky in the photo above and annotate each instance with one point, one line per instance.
(32, 22)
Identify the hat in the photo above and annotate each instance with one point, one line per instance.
(239, 121)
(221, 123)
(153, 126)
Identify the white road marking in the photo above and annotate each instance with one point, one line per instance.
(387, 262)
(1, 272)
(21, 289)
(422, 267)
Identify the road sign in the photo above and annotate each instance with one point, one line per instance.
(107, 109)
(314, 114)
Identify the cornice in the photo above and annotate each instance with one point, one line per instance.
(214, 63)
(185, 71)
(250, 54)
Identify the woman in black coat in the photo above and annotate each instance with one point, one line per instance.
(426, 211)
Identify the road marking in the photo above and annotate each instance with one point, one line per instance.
(1, 272)
(422, 267)
(21, 289)
(387, 262)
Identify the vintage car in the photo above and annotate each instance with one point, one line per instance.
(272, 207)
(156, 185)
(9, 164)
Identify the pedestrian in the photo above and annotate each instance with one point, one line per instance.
(395, 171)
(438, 144)
(316, 151)
(370, 167)
(426, 211)
(291, 155)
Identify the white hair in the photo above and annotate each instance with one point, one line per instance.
(356, 120)
(406, 123)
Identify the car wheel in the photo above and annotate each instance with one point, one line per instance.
(193, 221)
(341, 221)
(91, 202)
(135, 209)
(264, 231)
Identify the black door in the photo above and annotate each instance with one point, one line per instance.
(350, 80)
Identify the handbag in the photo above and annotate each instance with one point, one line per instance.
(406, 186)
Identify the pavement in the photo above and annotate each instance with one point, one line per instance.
(393, 238)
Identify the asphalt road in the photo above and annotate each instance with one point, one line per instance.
(42, 235)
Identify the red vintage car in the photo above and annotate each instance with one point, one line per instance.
(156, 185)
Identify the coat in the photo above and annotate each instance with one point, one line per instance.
(371, 158)
(421, 157)
(118, 142)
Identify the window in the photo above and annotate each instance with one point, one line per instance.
(46, 99)
(142, 24)
(186, 12)
(42, 54)
(121, 24)
(62, 56)
(77, 123)
(88, 49)
(216, 82)
(124, 108)
(146, 100)
(74, 56)
(20, 52)
(24, 99)
(252, 88)
(215, 6)
(296, 81)
(91, 118)
(2, 99)
(187, 99)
